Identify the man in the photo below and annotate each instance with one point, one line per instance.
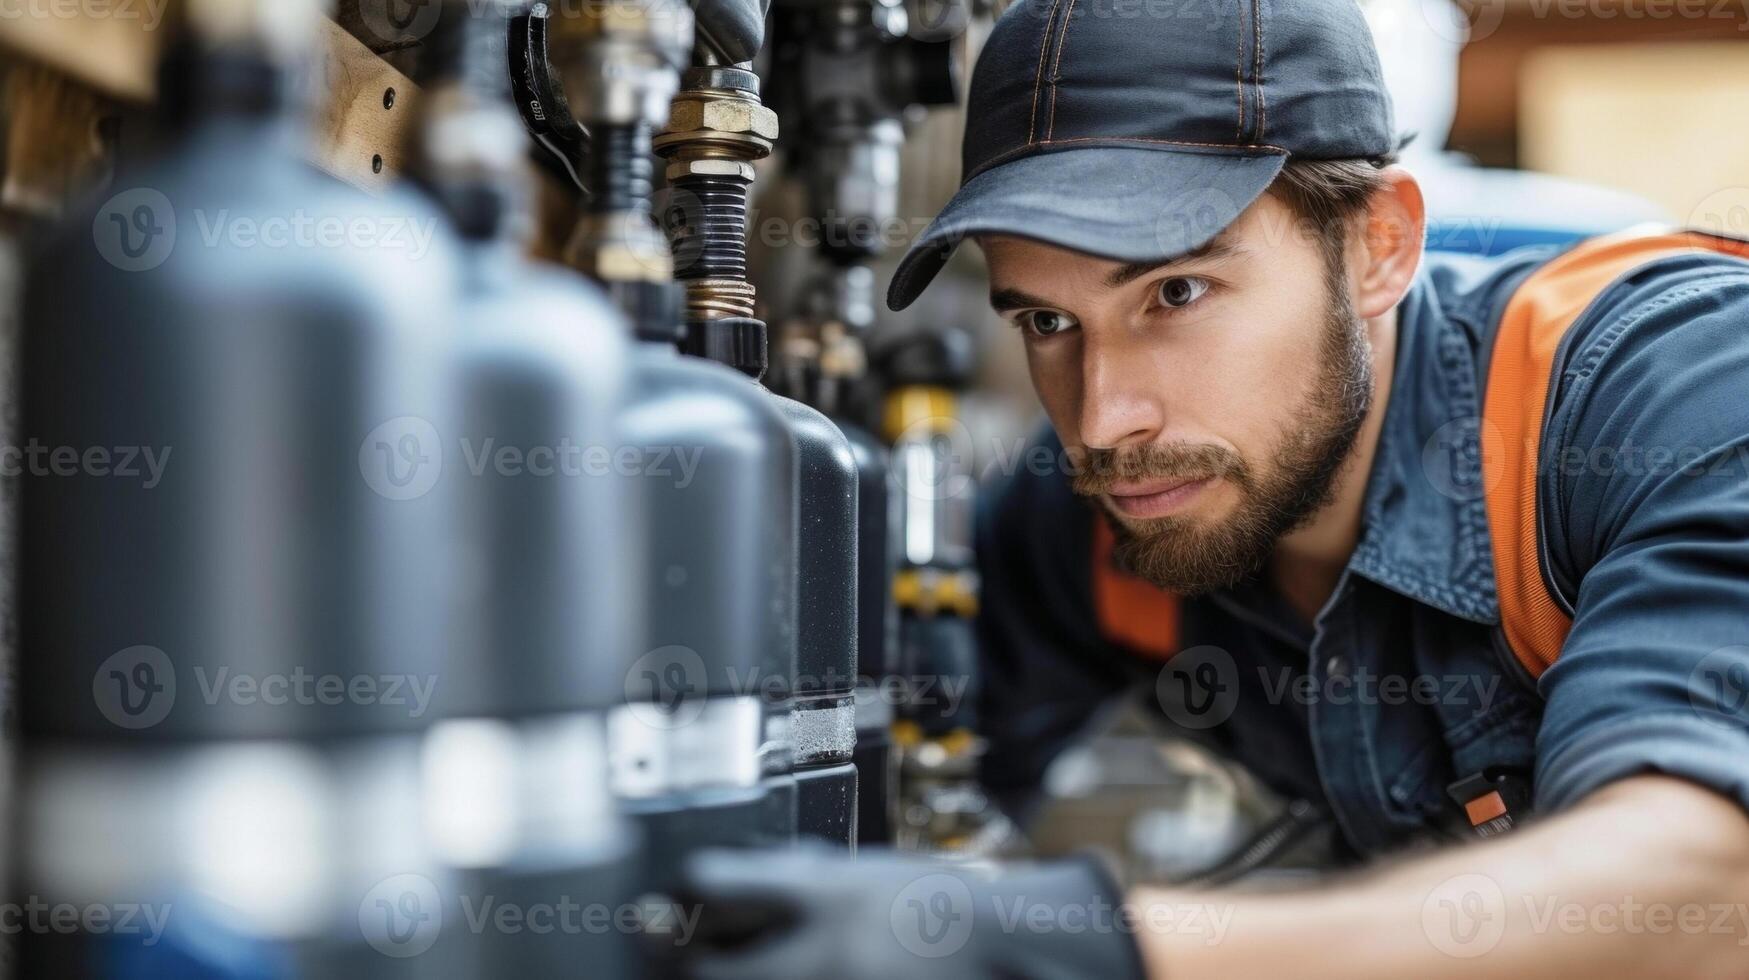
(1450, 549)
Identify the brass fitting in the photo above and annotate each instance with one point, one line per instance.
(716, 129)
(716, 132)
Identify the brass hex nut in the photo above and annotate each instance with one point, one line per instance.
(723, 114)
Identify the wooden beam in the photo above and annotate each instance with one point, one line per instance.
(55, 140)
(360, 128)
(367, 108)
(115, 54)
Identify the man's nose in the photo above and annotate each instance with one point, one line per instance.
(1120, 397)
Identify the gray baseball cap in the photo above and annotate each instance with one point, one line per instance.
(1137, 130)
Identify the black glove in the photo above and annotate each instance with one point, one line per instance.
(817, 914)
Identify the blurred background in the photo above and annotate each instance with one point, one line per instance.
(1532, 122)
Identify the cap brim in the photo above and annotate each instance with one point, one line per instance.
(1125, 203)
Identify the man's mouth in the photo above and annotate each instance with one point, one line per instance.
(1156, 498)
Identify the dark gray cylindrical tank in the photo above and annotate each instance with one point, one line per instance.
(823, 718)
(692, 746)
(876, 635)
(235, 559)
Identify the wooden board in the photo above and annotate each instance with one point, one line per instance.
(359, 130)
(115, 54)
(367, 107)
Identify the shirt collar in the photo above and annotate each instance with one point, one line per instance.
(1424, 526)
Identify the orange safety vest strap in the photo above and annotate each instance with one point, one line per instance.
(1537, 317)
(1130, 611)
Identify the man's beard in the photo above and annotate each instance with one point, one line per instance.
(1185, 555)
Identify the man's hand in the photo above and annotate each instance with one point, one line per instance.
(817, 914)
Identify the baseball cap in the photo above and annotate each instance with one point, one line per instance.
(1137, 130)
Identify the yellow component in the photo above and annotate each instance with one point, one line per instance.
(957, 742)
(931, 409)
(909, 735)
(929, 591)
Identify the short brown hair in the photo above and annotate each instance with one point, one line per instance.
(1329, 194)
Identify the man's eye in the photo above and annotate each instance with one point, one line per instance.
(1181, 291)
(1046, 323)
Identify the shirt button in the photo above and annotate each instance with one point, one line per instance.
(1336, 666)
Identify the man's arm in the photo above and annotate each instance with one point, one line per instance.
(1647, 878)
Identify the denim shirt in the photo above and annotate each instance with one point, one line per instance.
(1404, 683)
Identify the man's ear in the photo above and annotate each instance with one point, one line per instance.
(1389, 249)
